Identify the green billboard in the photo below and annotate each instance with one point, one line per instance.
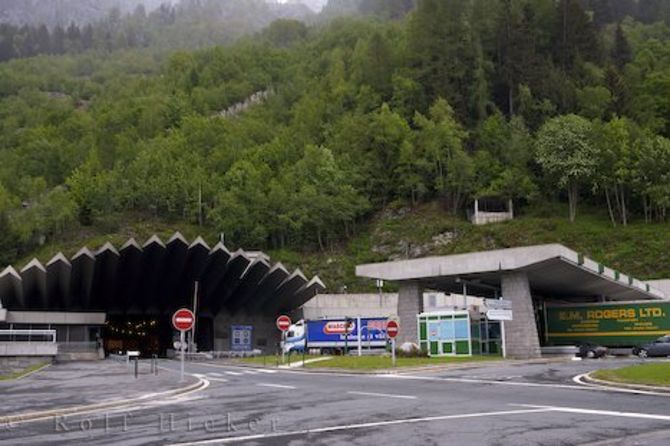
(613, 325)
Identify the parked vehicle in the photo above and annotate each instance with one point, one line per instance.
(591, 350)
(660, 347)
(335, 335)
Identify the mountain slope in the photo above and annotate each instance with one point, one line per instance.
(395, 233)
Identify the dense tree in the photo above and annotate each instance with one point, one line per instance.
(565, 151)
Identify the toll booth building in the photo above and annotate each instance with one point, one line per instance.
(122, 299)
(458, 333)
(529, 277)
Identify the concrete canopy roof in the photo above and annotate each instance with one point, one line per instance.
(553, 271)
(154, 278)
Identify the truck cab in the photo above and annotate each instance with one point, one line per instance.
(295, 338)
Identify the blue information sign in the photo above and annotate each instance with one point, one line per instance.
(240, 339)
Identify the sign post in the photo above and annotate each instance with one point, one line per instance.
(283, 324)
(183, 320)
(360, 337)
(500, 310)
(392, 329)
(191, 344)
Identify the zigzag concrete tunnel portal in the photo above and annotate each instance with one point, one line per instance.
(123, 298)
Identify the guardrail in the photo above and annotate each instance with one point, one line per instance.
(28, 335)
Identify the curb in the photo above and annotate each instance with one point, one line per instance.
(76, 410)
(641, 387)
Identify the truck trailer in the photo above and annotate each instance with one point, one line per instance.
(335, 334)
(618, 325)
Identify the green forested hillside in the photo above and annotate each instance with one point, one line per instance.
(298, 139)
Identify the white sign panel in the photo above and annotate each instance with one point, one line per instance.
(499, 304)
(499, 315)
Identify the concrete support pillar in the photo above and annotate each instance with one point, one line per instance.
(410, 303)
(522, 339)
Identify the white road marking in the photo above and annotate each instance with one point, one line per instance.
(236, 367)
(343, 427)
(233, 373)
(220, 380)
(386, 395)
(278, 386)
(519, 384)
(610, 413)
(250, 372)
(214, 374)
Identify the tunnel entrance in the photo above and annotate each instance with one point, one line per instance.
(148, 335)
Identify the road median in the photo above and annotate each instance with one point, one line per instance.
(652, 377)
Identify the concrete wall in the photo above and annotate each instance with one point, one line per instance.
(521, 336)
(28, 349)
(265, 334)
(410, 304)
(372, 305)
(55, 317)
(484, 218)
(662, 285)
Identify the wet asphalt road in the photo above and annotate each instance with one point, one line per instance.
(502, 404)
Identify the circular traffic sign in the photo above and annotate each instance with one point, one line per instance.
(183, 319)
(392, 328)
(283, 322)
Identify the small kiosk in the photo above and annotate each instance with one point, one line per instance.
(458, 333)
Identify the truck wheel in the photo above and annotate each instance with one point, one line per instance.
(643, 353)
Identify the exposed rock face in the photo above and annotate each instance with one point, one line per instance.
(241, 107)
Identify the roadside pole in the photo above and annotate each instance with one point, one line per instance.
(281, 345)
(304, 347)
(503, 347)
(182, 346)
(500, 310)
(195, 311)
(283, 323)
(346, 336)
(360, 337)
(392, 329)
(183, 320)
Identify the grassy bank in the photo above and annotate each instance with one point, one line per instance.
(23, 372)
(652, 374)
(370, 362)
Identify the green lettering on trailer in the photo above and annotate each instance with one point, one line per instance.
(624, 325)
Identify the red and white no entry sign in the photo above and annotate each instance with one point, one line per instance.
(392, 328)
(183, 319)
(283, 322)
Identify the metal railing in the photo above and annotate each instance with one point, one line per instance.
(28, 335)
